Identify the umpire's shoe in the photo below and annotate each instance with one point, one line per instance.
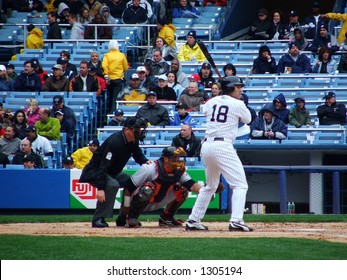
(239, 226)
(99, 223)
(192, 225)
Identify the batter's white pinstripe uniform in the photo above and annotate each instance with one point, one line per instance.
(223, 115)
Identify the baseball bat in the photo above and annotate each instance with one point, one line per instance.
(209, 58)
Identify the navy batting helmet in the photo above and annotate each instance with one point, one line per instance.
(231, 81)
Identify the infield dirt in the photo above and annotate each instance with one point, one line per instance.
(333, 232)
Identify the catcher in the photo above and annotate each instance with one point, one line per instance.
(164, 182)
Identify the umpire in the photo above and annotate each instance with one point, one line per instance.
(104, 171)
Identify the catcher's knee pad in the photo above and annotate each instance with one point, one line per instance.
(141, 199)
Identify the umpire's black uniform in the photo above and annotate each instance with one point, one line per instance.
(104, 171)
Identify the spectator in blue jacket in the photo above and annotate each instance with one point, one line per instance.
(280, 108)
(264, 63)
(294, 61)
(28, 80)
(182, 116)
(185, 10)
(268, 125)
(325, 63)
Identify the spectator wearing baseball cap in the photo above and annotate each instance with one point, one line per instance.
(40, 144)
(28, 80)
(6, 83)
(83, 155)
(153, 112)
(331, 112)
(205, 74)
(294, 61)
(185, 10)
(68, 162)
(68, 123)
(164, 92)
(312, 22)
(11, 71)
(118, 118)
(182, 116)
(324, 39)
(261, 28)
(293, 23)
(57, 81)
(39, 70)
(29, 162)
(134, 91)
(69, 69)
(190, 51)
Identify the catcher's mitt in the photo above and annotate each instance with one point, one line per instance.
(220, 188)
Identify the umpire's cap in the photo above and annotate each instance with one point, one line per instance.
(231, 81)
(135, 122)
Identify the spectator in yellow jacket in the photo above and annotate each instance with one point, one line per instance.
(83, 155)
(339, 17)
(191, 51)
(167, 31)
(114, 64)
(35, 38)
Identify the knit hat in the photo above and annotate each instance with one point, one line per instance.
(192, 33)
(324, 26)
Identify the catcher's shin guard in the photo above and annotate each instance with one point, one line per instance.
(172, 207)
(140, 200)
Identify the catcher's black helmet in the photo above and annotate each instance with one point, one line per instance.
(168, 151)
(231, 81)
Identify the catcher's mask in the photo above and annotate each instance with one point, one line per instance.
(138, 125)
(177, 157)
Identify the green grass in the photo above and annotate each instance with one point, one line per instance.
(95, 248)
(17, 247)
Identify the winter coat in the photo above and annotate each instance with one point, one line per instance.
(77, 31)
(6, 85)
(35, 39)
(185, 12)
(76, 84)
(262, 65)
(53, 84)
(192, 146)
(312, 29)
(261, 26)
(284, 112)
(301, 65)
(25, 82)
(188, 53)
(319, 42)
(168, 53)
(298, 117)
(259, 126)
(334, 114)
(155, 115)
(339, 17)
(54, 31)
(114, 64)
(104, 32)
(134, 15)
(165, 93)
(192, 101)
(168, 33)
(176, 120)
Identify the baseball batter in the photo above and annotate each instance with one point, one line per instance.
(223, 115)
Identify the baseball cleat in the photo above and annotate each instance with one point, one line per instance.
(169, 222)
(133, 223)
(121, 221)
(237, 226)
(192, 225)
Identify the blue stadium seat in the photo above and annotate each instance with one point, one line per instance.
(290, 82)
(317, 82)
(225, 46)
(154, 153)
